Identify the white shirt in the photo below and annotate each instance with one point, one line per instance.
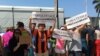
(76, 44)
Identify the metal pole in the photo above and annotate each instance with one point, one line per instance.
(56, 12)
(13, 16)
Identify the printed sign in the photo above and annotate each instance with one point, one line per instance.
(77, 20)
(62, 34)
(43, 15)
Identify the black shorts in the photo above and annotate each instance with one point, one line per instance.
(75, 53)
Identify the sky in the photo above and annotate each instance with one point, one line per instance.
(71, 7)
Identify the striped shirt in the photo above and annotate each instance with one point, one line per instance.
(41, 40)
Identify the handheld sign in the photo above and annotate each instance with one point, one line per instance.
(77, 20)
(62, 34)
(43, 17)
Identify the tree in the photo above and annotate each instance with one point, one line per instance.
(97, 7)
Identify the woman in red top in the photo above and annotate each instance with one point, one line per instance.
(97, 42)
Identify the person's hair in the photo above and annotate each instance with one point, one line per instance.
(10, 29)
(34, 24)
(73, 29)
(41, 24)
(50, 27)
(17, 31)
(96, 28)
(20, 24)
(63, 28)
(7, 29)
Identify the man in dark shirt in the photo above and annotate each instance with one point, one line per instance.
(84, 42)
(91, 36)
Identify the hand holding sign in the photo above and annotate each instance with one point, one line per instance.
(30, 18)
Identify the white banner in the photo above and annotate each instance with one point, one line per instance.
(43, 15)
(62, 34)
(77, 20)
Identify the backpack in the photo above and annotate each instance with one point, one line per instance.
(25, 38)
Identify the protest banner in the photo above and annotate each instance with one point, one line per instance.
(43, 17)
(62, 34)
(77, 20)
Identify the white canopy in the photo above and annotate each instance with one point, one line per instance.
(22, 13)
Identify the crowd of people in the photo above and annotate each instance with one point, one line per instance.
(40, 42)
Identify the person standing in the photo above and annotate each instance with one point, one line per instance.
(42, 36)
(52, 46)
(5, 40)
(75, 48)
(25, 37)
(97, 41)
(49, 42)
(91, 40)
(15, 46)
(32, 29)
(61, 44)
(84, 40)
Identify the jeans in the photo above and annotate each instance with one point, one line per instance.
(91, 50)
(6, 51)
(85, 48)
